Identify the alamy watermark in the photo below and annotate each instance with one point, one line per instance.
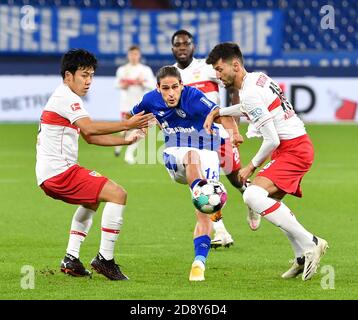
(28, 14)
(27, 280)
(328, 280)
(327, 21)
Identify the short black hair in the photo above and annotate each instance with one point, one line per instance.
(76, 59)
(225, 51)
(181, 32)
(168, 71)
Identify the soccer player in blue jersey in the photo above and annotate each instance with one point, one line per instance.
(190, 154)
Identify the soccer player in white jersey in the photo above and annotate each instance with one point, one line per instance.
(284, 139)
(133, 79)
(199, 74)
(60, 176)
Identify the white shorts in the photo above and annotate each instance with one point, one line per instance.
(173, 161)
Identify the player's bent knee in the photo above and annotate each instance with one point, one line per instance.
(112, 192)
(122, 194)
(253, 194)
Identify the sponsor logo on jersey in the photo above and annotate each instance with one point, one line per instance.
(255, 113)
(178, 129)
(75, 106)
(206, 101)
(180, 113)
(161, 113)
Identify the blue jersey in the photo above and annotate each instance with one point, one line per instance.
(183, 125)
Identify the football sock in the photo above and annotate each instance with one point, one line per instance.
(194, 183)
(132, 148)
(219, 226)
(112, 219)
(277, 213)
(297, 249)
(81, 223)
(201, 248)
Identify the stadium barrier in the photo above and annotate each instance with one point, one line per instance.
(315, 99)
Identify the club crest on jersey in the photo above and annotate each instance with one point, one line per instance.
(180, 113)
(206, 101)
(75, 106)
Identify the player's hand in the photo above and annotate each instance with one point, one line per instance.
(124, 84)
(208, 123)
(236, 139)
(140, 120)
(246, 172)
(134, 136)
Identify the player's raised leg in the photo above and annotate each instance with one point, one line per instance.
(203, 228)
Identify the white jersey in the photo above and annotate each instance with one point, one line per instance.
(57, 140)
(261, 100)
(202, 76)
(132, 95)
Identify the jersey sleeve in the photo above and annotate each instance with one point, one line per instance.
(139, 107)
(119, 77)
(149, 79)
(255, 109)
(202, 105)
(72, 109)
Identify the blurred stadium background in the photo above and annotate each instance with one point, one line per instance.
(290, 40)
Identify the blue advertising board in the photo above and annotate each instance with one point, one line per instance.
(52, 30)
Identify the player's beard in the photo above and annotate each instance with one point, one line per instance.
(185, 61)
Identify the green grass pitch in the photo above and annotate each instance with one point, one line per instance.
(155, 246)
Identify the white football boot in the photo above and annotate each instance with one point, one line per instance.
(197, 271)
(313, 257)
(222, 239)
(294, 271)
(253, 219)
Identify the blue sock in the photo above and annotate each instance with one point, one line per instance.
(201, 247)
(194, 183)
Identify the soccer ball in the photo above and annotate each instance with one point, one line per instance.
(209, 196)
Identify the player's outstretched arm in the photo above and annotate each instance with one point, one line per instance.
(113, 140)
(231, 127)
(209, 120)
(89, 127)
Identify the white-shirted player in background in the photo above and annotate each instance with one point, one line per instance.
(197, 73)
(285, 139)
(134, 79)
(59, 175)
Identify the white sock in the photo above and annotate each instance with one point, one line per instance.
(112, 219)
(219, 226)
(81, 223)
(279, 214)
(297, 249)
(131, 149)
